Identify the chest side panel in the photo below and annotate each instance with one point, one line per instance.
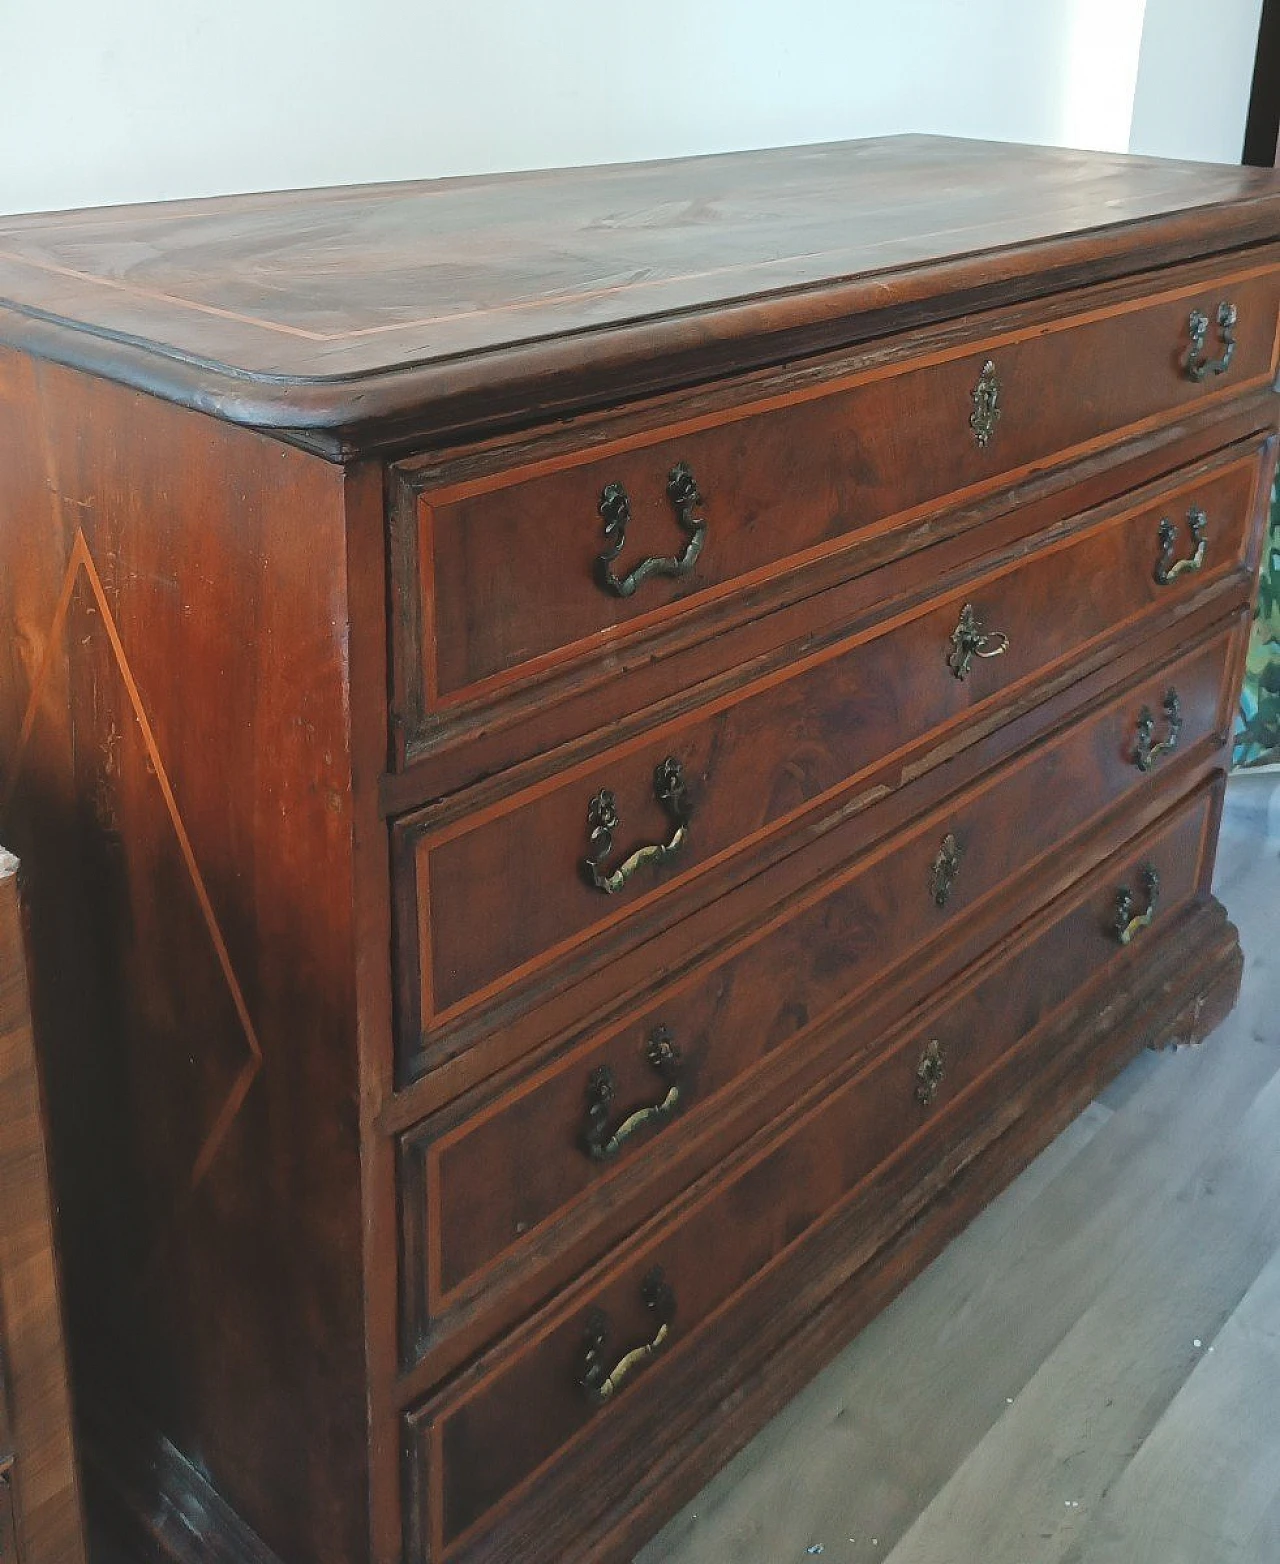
(176, 777)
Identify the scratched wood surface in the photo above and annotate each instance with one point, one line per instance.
(363, 278)
(1091, 1373)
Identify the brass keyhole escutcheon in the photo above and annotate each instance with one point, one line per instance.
(929, 1074)
(986, 405)
(971, 639)
(945, 868)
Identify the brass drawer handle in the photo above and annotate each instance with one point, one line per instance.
(615, 511)
(971, 639)
(986, 404)
(1148, 752)
(599, 1384)
(1166, 569)
(1197, 365)
(1127, 924)
(597, 1141)
(603, 820)
(929, 1074)
(945, 868)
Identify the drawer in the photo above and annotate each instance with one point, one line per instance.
(505, 1179)
(627, 1324)
(527, 880)
(508, 567)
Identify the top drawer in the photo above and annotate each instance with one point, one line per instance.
(511, 567)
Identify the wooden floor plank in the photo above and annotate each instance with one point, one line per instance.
(1205, 1486)
(1263, 1546)
(1039, 1477)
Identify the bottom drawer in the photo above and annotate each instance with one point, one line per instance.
(630, 1322)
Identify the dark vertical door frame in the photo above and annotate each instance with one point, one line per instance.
(1262, 129)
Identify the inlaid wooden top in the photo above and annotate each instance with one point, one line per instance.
(333, 307)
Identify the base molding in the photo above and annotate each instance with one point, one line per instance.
(151, 1503)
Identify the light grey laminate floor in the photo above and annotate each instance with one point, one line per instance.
(1090, 1374)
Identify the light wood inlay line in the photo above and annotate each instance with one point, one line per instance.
(81, 560)
(745, 270)
(153, 296)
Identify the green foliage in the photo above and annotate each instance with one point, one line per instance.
(1258, 731)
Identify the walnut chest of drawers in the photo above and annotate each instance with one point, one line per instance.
(602, 757)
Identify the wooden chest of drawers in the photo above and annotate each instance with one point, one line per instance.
(611, 752)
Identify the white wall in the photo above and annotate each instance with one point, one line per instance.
(1193, 82)
(145, 99)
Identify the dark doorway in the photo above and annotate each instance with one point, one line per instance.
(1262, 129)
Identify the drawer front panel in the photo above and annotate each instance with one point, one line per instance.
(510, 880)
(509, 562)
(494, 1432)
(488, 1186)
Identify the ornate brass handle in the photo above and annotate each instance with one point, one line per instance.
(1166, 569)
(615, 511)
(603, 820)
(970, 639)
(1148, 752)
(945, 868)
(1197, 365)
(1126, 924)
(599, 1384)
(929, 1074)
(597, 1140)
